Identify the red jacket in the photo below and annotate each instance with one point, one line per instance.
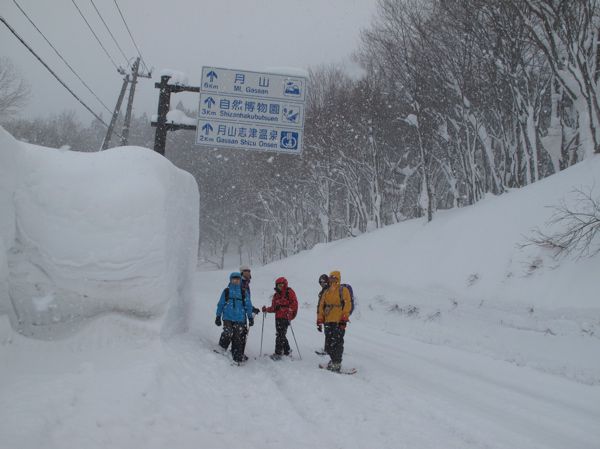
(284, 303)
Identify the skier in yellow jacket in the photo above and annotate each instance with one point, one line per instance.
(333, 312)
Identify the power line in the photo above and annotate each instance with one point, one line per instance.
(109, 32)
(90, 27)
(60, 56)
(131, 36)
(51, 71)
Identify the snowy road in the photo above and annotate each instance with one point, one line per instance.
(119, 385)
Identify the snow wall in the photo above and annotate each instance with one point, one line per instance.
(83, 234)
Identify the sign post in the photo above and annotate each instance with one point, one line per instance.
(251, 110)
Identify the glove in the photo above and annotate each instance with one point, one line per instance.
(342, 325)
(255, 311)
(251, 321)
(264, 309)
(344, 318)
(218, 321)
(320, 327)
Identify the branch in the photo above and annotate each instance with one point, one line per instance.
(578, 228)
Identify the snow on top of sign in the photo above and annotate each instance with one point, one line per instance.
(293, 71)
(177, 77)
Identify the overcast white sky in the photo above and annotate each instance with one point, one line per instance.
(175, 34)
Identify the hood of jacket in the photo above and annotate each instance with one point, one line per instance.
(281, 280)
(235, 290)
(337, 281)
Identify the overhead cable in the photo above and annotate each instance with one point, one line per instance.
(109, 32)
(131, 35)
(97, 38)
(61, 57)
(52, 72)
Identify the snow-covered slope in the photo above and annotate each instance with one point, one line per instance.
(468, 253)
(89, 233)
(465, 280)
(462, 339)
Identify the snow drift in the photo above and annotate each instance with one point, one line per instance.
(88, 233)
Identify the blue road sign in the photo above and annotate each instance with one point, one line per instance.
(220, 133)
(251, 110)
(253, 84)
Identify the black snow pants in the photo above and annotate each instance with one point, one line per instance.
(334, 341)
(282, 346)
(234, 332)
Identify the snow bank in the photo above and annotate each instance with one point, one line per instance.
(7, 210)
(115, 231)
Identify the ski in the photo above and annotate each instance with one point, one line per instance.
(319, 352)
(227, 354)
(341, 371)
(278, 358)
(223, 352)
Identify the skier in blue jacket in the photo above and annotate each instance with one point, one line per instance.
(234, 308)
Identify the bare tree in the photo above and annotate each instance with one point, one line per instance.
(14, 90)
(577, 227)
(567, 32)
(396, 45)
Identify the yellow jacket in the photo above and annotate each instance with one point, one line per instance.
(330, 307)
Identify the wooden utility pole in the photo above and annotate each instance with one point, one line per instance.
(126, 123)
(115, 115)
(164, 104)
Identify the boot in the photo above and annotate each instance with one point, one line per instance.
(334, 367)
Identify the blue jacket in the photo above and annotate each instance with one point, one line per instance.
(235, 309)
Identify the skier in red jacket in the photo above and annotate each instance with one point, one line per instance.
(285, 307)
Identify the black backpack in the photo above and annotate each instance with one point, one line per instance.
(243, 296)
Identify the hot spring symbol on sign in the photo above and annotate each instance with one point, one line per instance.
(288, 140)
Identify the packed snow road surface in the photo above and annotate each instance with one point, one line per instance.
(118, 384)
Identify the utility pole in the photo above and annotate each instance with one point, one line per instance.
(134, 74)
(164, 104)
(126, 80)
(115, 115)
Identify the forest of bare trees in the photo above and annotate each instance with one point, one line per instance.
(459, 98)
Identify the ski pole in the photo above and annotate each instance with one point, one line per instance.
(262, 331)
(295, 341)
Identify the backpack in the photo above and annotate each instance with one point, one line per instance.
(243, 296)
(352, 298)
(293, 307)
